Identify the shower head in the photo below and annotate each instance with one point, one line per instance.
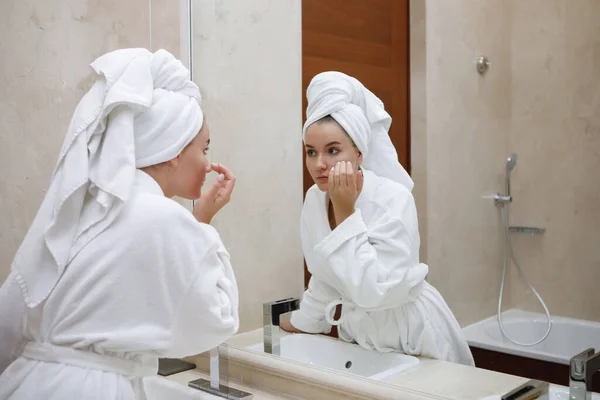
(511, 162)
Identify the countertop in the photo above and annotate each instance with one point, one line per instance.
(438, 378)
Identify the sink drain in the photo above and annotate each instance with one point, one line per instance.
(348, 364)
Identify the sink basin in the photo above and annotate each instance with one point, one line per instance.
(326, 352)
(556, 392)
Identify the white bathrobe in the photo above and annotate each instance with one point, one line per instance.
(156, 283)
(370, 265)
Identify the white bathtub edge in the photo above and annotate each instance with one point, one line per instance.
(476, 338)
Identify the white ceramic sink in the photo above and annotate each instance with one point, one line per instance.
(555, 393)
(326, 352)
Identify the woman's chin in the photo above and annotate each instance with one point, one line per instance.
(192, 195)
(323, 187)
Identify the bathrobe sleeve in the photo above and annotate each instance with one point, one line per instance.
(375, 266)
(202, 290)
(209, 313)
(310, 317)
(12, 316)
(192, 293)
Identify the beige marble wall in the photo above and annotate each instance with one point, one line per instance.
(556, 133)
(418, 115)
(247, 61)
(46, 48)
(458, 146)
(540, 99)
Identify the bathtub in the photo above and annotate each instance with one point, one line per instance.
(567, 338)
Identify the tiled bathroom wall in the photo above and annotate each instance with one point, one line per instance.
(555, 130)
(46, 49)
(247, 60)
(540, 99)
(459, 139)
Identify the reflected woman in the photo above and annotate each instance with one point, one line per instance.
(360, 233)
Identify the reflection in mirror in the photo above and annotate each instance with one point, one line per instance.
(359, 232)
(393, 269)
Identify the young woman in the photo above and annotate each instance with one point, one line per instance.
(113, 274)
(360, 233)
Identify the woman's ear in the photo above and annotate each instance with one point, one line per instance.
(174, 162)
(360, 157)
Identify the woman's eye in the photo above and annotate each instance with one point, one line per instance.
(333, 150)
(310, 153)
(206, 151)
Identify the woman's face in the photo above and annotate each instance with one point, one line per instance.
(192, 166)
(326, 144)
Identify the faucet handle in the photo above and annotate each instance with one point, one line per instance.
(281, 306)
(499, 199)
(577, 364)
(272, 310)
(531, 389)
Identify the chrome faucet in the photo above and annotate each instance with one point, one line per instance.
(582, 368)
(214, 386)
(531, 389)
(272, 312)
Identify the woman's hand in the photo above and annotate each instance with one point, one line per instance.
(288, 327)
(344, 186)
(215, 198)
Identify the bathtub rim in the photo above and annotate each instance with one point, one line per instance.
(476, 337)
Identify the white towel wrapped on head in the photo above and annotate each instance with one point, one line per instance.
(143, 110)
(363, 117)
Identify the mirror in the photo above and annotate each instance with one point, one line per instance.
(504, 160)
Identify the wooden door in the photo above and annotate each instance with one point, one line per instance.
(367, 39)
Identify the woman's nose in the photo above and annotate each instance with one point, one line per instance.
(320, 163)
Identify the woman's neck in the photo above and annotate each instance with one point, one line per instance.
(160, 178)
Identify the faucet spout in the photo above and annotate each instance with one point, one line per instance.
(272, 312)
(214, 386)
(214, 369)
(582, 368)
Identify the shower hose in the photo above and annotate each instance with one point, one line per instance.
(509, 255)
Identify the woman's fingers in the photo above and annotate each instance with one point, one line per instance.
(344, 176)
(359, 180)
(221, 169)
(350, 176)
(331, 179)
(340, 174)
(223, 184)
(228, 189)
